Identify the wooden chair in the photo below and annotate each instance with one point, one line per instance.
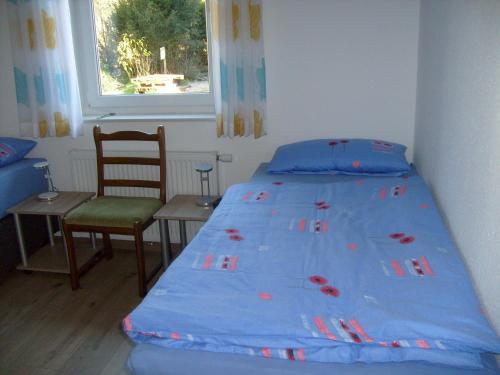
(118, 215)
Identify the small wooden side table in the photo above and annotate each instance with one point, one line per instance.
(181, 208)
(50, 258)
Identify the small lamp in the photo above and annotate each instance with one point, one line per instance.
(204, 170)
(52, 193)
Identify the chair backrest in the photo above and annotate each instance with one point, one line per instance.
(102, 160)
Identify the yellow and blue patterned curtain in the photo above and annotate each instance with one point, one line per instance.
(239, 67)
(45, 75)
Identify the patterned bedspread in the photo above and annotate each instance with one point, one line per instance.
(362, 270)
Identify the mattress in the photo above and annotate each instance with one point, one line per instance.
(385, 283)
(146, 359)
(19, 181)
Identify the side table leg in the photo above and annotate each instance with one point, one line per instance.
(50, 230)
(65, 245)
(20, 238)
(93, 240)
(169, 243)
(182, 229)
(165, 243)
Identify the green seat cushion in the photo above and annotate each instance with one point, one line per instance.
(109, 211)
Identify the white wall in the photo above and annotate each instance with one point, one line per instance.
(335, 69)
(457, 147)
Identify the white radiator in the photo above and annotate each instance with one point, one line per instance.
(181, 179)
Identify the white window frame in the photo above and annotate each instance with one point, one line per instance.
(93, 103)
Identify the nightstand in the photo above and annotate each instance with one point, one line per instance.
(181, 208)
(53, 257)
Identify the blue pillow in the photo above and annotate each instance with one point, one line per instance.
(342, 156)
(14, 149)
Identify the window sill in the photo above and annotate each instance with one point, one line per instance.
(149, 118)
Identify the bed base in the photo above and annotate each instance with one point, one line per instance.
(10, 255)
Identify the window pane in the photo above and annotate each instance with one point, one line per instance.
(151, 46)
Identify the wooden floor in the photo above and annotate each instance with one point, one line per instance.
(45, 328)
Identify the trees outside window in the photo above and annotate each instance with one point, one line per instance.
(151, 46)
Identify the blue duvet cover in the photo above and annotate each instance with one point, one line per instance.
(355, 271)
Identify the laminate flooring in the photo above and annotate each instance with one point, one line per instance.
(46, 328)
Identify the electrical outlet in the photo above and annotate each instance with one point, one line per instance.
(225, 158)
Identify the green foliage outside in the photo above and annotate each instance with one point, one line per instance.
(134, 57)
(131, 32)
(112, 86)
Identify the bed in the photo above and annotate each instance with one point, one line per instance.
(384, 284)
(19, 181)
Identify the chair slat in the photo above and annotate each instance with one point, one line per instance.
(129, 135)
(131, 160)
(132, 183)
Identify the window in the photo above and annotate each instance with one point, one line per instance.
(143, 56)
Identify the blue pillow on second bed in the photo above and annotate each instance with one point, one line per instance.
(343, 156)
(14, 149)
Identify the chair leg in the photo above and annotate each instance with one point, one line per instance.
(141, 265)
(108, 249)
(73, 267)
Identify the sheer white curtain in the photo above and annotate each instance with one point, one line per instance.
(239, 68)
(45, 75)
